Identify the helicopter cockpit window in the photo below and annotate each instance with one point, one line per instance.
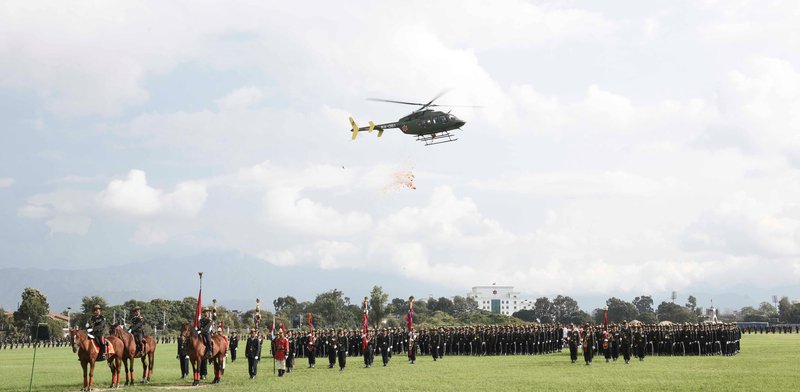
(443, 119)
(451, 117)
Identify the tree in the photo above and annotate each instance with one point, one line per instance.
(284, 304)
(398, 307)
(648, 317)
(673, 312)
(432, 304)
(565, 310)
(444, 305)
(525, 315)
(691, 303)
(644, 304)
(784, 309)
(32, 310)
(768, 310)
(333, 310)
(463, 305)
(543, 310)
(619, 310)
(377, 305)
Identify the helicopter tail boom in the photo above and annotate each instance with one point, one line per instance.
(370, 128)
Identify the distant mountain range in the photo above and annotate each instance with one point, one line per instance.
(234, 280)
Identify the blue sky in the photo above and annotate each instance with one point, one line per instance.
(623, 148)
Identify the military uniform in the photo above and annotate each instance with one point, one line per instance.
(252, 352)
(281, 353)
(137, 330)
(97, 326)
(588, 345)
(341, 347)
(574, 340)
(183, 357)
(206, 329)
(233, 344)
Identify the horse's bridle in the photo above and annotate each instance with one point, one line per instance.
(72, 341)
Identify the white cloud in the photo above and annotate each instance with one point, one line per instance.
(133, 196)
(743, 226)
(6, 182)
(69, 224)
(574, 184)
(33, 211)
(148, 234)
(242, 98)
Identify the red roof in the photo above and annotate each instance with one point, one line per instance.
(56, 316)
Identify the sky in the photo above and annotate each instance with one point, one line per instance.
(621, 148)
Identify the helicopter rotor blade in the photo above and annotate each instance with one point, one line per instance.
(391, 101)
(430, 103)
(455, 106)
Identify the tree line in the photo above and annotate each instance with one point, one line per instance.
(332, 309)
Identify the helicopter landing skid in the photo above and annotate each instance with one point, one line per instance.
(437, 138)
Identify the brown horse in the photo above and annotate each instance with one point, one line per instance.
(148, 355)
(128, 352)
(87, 354)
(196, 349)
(115, 359)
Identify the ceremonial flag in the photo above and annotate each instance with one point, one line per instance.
(310, 324)
(365, 326)
(410, 315)
(272, 329)
(605, 318)
(199, 309)
(199, 303)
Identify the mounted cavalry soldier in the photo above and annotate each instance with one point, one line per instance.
(137, 330)
(206, 328)
(96, 329)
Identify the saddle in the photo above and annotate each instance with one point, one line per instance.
(109, 347)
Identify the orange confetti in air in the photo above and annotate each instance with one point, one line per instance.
(400, 179)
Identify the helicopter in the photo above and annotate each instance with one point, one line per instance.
(428, 125)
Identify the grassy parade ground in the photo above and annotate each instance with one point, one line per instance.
(767, 362)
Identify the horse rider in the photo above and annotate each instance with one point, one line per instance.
(206, 328)
(137, 329)
(95, 328)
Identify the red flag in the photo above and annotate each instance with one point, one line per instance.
(272, 329)
(410, 316)
(310, 324)
(283, 328)
(605, 319)
(199, 309)
(366, 327)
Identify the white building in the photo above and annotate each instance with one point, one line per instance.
(499, 299)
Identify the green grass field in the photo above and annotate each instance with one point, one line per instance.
(767, 362)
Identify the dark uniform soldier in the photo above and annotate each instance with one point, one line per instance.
(183, 357)
(341, 349)
(137, 329)
(331, 347)
(252, 351)
(96, 327)
(626, 339)
(368, 351)
(412, 345)
(206, 328)
(574, 340)
(384, 346)
(588, 344)
(233, 344)
(311, 345)
(639, 342)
